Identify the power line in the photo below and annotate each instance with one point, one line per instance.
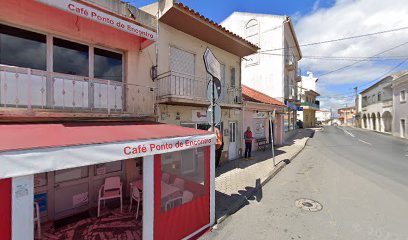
(339, 39)
(386, 73)
(350, 65)
(355, 59)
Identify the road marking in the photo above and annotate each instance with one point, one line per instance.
(349, 133)
(364, 142)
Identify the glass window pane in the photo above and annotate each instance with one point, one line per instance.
(70, 58)
(22, 48)
(183, 177)
(108, 65)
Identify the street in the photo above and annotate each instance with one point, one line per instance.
(359, 177)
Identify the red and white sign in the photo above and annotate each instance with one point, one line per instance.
(101, 17)
(199, 116)
(21, 163)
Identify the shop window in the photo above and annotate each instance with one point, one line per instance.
(108, 65)
(71, 58)
(105, 168)
(185, 177)
(71, 174)
(22, 48)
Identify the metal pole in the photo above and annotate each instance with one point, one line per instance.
(213, 105)
(272, 135)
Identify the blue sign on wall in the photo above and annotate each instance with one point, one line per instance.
(42, 201)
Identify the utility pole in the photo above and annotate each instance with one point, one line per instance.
(356, 107)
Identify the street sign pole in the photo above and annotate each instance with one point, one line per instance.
(213, 105)
(272, 136)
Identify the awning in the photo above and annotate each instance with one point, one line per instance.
(33, 148)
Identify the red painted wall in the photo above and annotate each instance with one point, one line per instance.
(183, 220)
(5, 209)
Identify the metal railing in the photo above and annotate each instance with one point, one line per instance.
(36, 89)
(310, 104)
(173, 84)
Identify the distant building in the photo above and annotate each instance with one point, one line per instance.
(308, 94)
(347, 115)
(323, 115)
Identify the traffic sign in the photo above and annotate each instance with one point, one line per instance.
(217, 88)
(212, 65)
(217, 115)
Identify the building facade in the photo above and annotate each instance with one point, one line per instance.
(264, 115)
(274, 69)
(323, 115)
(182, 78)
(377, 105)
(347, 116)
(308, 94)
(400, 106)
(78, 111)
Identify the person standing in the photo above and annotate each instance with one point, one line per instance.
(219, 144)
(248, 142)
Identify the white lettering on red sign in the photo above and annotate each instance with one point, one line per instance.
(101, 17)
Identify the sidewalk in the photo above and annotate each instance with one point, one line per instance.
(237, 181)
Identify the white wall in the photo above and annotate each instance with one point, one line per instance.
(266, 76)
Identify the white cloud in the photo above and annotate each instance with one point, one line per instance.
(349, 18)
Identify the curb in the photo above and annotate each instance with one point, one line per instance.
(237, 205)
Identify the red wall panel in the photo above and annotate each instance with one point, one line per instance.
(5, 209)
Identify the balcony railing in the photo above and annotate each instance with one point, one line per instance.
(183, 86)
(35, 89)
(310, 104)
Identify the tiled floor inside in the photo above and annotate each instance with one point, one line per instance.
(111, 225)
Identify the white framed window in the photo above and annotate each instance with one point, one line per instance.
(403, 97)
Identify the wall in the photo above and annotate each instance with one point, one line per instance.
(268, 75)
(400, 109)
(168, 114)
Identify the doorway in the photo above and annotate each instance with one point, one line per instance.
(232, 149)
(403, 131)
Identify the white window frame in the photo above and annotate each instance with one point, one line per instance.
(403, 93)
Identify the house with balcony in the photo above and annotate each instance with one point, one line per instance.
(307, 94)
(81, 154)
(182, 79)
(274, 69)
(347, 116)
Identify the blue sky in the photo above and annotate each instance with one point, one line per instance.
(218, 10)
(319, 20)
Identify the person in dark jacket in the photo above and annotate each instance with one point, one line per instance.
(248, 142)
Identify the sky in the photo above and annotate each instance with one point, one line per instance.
(321, 20)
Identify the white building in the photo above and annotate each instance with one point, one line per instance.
(400, 106)
(377, 105)
(323, 115)
(308, 94)
(274, 69)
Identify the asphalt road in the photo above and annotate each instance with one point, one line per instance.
(359, 177)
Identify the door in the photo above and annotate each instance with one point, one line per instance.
(232, 149)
